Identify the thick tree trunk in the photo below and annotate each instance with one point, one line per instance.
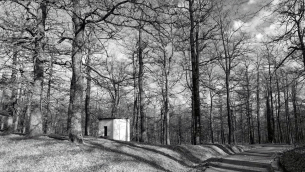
(48, 116)
(227, 70)
(7, 120)
(18, 110)
(180, 130)
(36, 113)
(70, 109)
(115, 99)
(269, 106)
(76, 89)
(36, 116)
(14, 96)
(269, 121)
(143, 137)
(166, 100)
(195, 75)
(27, 114)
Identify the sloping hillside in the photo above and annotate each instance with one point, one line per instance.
(47, 154)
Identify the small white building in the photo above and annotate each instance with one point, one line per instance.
(114, 128)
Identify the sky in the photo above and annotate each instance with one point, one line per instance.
(261, 22)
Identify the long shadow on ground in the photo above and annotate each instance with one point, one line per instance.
(257, 154)
(87, 148)
(183, 152)
(225, 148)
(229, 164)
(138, 158)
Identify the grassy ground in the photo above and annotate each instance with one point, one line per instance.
(294, 160)
(46, 154)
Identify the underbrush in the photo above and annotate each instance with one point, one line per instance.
(294, 160)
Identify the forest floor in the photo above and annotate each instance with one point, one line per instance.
(18, 153)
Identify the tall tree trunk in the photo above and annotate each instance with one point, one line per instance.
(258, 106)
(70, 108)
(6, 97)
(228, 106)
(227, 70)
(138, 119)
(195, 75)
(252, 123)
(162, 131)
(76, 89)
(166, 100)
(294, 104)
(221, 121)
(272, 115)
(166, 113)
(249, 116)
(115, 99)
(135, 116)
(211, 117)
(279, 110)
(287, 115)
(18, 110)
(269, 121)
(143, 137)
(36, 116)
(87, 99)
(193, 131)
(242, 124)
(135, 95)
(48, 116)
(15, 86)
(27, 114)
(180, 130)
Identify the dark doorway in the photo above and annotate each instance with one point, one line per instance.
(105, 131)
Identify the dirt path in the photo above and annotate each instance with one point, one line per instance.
(261, 159)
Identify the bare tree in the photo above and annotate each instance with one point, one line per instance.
(231, 46)
(80, 20)
(291, 15)
(258, 80)
(198, 31)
